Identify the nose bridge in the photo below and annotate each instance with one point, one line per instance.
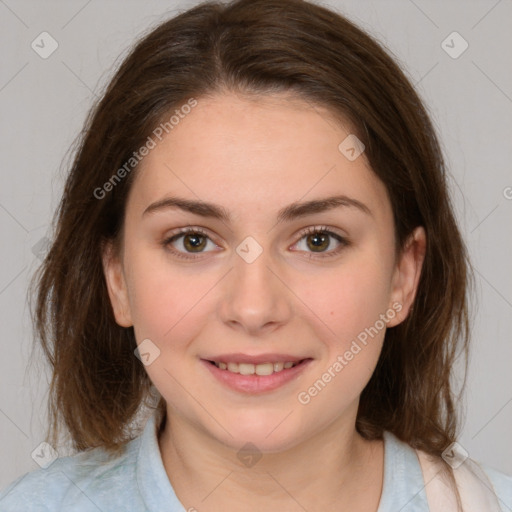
(256, 298)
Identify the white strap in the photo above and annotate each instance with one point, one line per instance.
(475, 489)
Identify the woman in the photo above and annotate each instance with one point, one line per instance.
(256, 245)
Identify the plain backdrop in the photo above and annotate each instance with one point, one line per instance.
(44, 102)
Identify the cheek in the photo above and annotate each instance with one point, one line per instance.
(351, 304)
(163, 298)
(348, 299)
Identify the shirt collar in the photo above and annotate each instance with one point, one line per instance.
(152, 480)
(403, 486)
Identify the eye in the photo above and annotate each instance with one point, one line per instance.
(188, 241)
(319, 240)
(191, 240)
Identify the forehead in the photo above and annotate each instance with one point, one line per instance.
(255, 154)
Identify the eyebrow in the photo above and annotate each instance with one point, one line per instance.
(288, 213)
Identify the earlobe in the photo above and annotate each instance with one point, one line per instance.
(116, 286)
(407, 274)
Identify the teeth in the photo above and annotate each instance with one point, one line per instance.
(278, 367)
(252, 369)
(233, 367)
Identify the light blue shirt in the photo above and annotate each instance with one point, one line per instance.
(137, 482)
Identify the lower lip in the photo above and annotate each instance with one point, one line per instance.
(256, 383)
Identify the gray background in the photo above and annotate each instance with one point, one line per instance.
(44, 103)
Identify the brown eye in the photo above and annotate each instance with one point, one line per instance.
(318, 242)
(194, 242)
(188, 242)
(322, 241)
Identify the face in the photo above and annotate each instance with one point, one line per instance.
(280, 277)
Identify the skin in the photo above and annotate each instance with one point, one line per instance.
(253, 156)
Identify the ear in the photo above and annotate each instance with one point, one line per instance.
(407, 273)
(116, 285)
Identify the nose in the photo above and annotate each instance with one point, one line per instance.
(255, 298)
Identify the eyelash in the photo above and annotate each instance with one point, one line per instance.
(344, 242)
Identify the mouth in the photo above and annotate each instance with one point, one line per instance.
(255, 378)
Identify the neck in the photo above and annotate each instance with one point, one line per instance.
(336, 465)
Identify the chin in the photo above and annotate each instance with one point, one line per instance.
(268, 435)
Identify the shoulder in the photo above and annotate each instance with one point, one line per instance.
(480, 486)
(83, 481)
(502, 485)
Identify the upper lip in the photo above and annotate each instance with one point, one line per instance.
(256, 359)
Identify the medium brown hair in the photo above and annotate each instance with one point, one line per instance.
(256, 47)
